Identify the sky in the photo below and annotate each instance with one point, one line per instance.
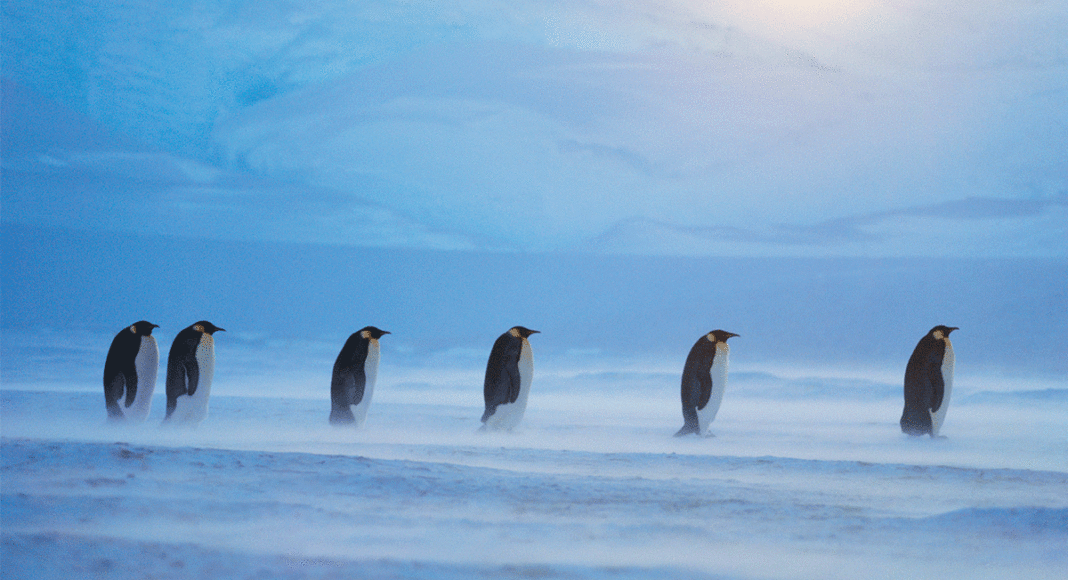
(774, 128)
(794, 173)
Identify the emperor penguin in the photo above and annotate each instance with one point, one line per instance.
(130, 371)
(928, 383)
(704, 378)
(508, 375)
(190, 368)
(353, 380)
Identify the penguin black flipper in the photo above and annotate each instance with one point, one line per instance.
(692, 393)
(346, 389)
(192, 374)
(131, 387)
(175, 383)
(704, 384)
(342, 392)
(934, 373)
(512, 369)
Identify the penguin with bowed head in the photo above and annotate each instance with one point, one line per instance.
(190, 369)
(928, 383)
(353, 381)
(509, 372)
(704, 378)
(130, 372)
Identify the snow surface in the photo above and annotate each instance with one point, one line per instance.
(811, 482)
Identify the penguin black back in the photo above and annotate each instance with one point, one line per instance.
(925, 385)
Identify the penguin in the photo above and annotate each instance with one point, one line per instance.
(130, 371)
(928, 382)
(353, 381)
(704, 378)
(190, 368)
(508, 375)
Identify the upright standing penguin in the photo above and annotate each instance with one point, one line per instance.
(130, 370)
(353, 380)
(508, 375)
(928, 383)
(190, 368)
(704, 378)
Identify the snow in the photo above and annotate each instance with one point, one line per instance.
(592, 485)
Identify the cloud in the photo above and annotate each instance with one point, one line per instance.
(543, 127)
(972, 227)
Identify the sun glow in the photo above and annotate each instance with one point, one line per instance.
(809, 13)
(793, 15)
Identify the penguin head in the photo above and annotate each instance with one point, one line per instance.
(207, 327)
(719, 336)
(143, 328)
(941, 332)
(522, 331)
(369, 332)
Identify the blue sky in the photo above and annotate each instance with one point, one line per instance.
(769, 128)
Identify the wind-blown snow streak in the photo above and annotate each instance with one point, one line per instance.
(878, 520)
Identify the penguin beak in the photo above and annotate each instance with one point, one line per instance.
(951, 329)
(217, 329)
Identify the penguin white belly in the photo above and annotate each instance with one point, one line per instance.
(370, 371)
(147, 365)
(507, 416)
(719, 385)
(948, 362)
(193, 409)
